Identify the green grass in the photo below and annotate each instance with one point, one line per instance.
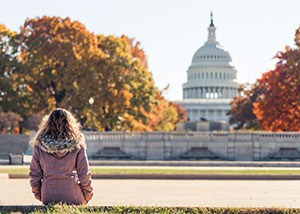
(171, 171)
(64, 209)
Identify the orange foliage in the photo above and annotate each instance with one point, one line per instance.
(65, 65)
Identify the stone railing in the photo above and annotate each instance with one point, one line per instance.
(195, 145)
(15, 144)
(246, 146)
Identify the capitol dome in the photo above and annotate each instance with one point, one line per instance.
(211, 52)
(211, 81)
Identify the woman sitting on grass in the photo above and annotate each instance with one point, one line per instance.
(59, 170)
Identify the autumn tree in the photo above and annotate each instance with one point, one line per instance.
(9, 122)
(165, 115)
(278, 108)
(63, 65)
(127, 88)
(57, 53)
(10, 82)
(32, 121)
(180, 111)
(241, 112)
(13, 91)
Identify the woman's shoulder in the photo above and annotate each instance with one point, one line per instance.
(81, 149)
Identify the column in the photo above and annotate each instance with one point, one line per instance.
(214, 92)
(226, 92)
(221, 92)
(196, 93)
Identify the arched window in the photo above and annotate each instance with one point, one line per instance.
(216, 75)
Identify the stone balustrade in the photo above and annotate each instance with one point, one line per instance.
(246, 146)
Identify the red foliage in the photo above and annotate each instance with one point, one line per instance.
(278, 108)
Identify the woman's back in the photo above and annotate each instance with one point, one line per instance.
(59, 170)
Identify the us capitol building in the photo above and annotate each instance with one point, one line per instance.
(211, 82)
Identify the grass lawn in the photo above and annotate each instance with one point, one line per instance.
(172, 171)
(63, 209)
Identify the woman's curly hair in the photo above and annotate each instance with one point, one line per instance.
(59, 125)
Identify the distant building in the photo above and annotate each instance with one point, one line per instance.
(211, 82)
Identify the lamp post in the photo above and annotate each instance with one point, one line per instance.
(91, 102)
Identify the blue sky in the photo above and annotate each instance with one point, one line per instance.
(170, 31)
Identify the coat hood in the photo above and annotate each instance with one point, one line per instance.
(60, 146)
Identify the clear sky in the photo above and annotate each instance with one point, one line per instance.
(170, 31)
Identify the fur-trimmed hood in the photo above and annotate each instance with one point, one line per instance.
(50, 145)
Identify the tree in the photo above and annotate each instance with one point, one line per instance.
(57, 53)
(10, 67)
(13, 91)
(32, 121)
(9, 122)
(127, 89)
(63, 65)
(180, 111)
(163, 116)
(241, 112)
(278, 108)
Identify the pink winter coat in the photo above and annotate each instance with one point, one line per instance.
(59, 172)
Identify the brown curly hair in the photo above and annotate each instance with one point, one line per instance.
(59, 125)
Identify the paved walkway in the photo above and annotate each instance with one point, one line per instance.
(173, 193)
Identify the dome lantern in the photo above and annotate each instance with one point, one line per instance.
(211, 32)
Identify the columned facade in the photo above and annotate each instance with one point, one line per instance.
(209, 92)
(211, 82)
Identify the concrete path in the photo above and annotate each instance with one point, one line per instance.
(173, 193)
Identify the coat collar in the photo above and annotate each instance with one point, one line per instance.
(50, 145)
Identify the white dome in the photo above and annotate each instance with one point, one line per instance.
(211, 82)
(211, 52)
